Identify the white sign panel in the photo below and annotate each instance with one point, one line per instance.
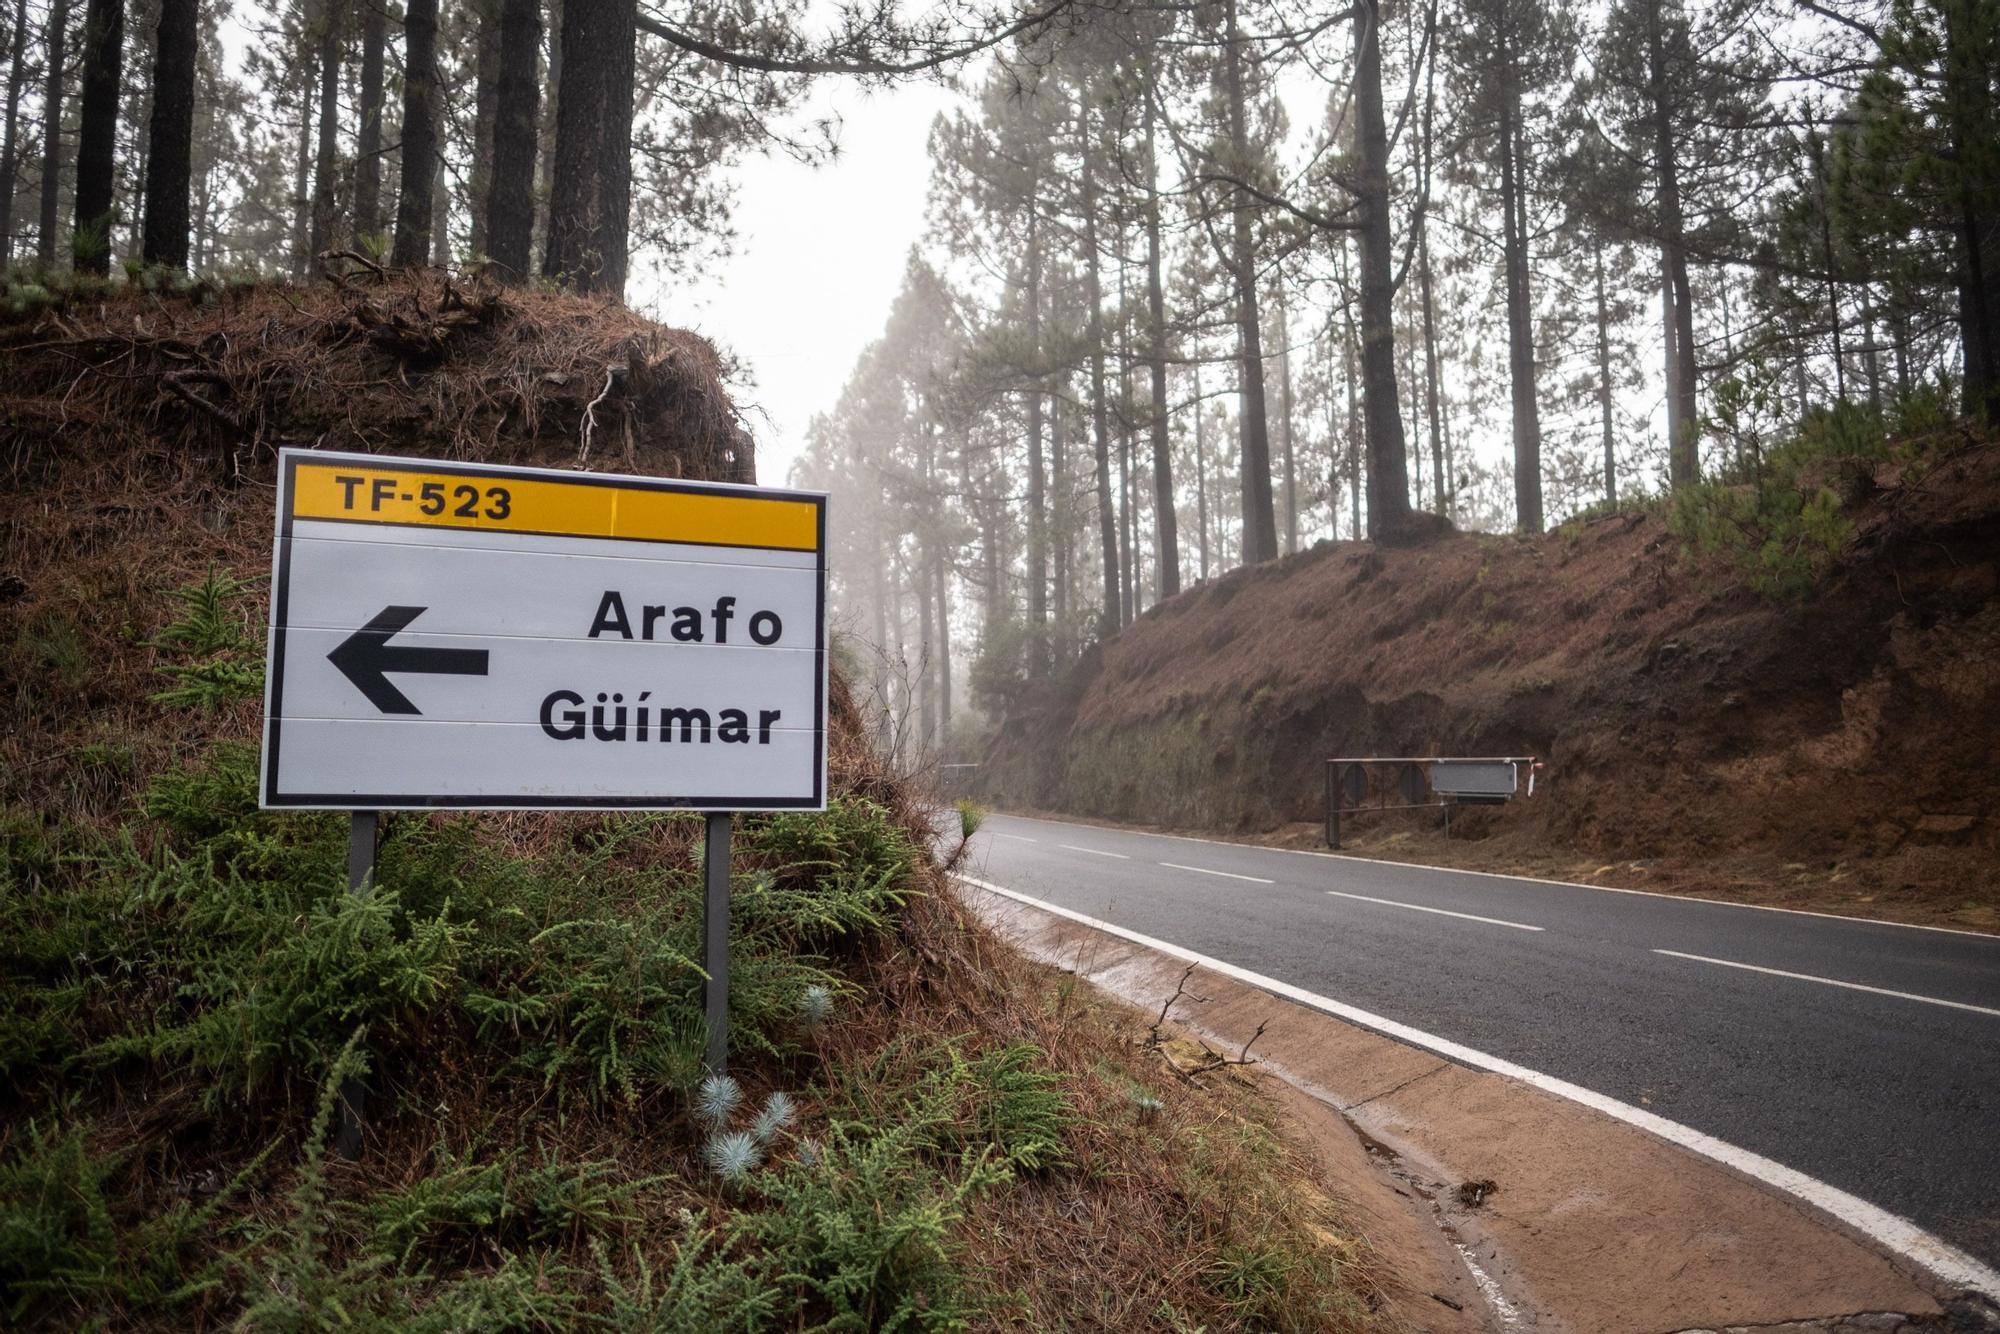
(464, 635)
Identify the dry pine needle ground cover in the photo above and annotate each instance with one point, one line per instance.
(925, 1131)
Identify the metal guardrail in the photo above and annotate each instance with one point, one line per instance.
(952, 778)
(1450, 780)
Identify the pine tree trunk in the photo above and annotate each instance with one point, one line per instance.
(10, 159)
(1285, 411)
(1431, 366)
(170, 156)
(884, 729)
(1260, 536)
(590, 200)
(510, 203)
(1520, 312)
(485, 108)
(1107, 526)
(1200, 472)
(325, 207)
(926, 660)
(1684, 451)
(368, 138)
(1165, 523)
(417, 181)
(1348, 359)
(1038, 550)
(301, 183)
(1388, 463)
(545, 143)
(440, 218)
(1604, 377)
(1128, 522)
(942, 579)
(52, 114)
(97, 132)
(1061, 515)
(1972, 129)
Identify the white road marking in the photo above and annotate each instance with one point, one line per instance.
(1018, 838)
(1896, 1234)
(1987, 936)
(1095, 852)
(1833, 982)
(1203, 870)
(1442, 912)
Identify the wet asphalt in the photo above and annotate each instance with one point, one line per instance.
(1892, 1099)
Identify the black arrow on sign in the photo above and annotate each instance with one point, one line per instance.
(365, 655)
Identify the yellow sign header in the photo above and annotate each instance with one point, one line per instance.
(585, 507)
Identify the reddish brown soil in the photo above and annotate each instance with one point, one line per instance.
(1841, 752)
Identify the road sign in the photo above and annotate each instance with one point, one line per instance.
(467, 635)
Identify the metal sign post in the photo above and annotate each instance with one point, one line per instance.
(479, 637)
(715, 939)
(363, 831)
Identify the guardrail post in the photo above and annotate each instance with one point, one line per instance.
(1334, 794)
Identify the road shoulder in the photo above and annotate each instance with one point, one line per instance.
(1572, 1220)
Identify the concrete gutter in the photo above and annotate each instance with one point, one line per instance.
(1568, 1219)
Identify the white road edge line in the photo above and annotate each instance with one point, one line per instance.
(1834, 982)
(1018, 838)
(1203, 870)
(1442, 912)
(1895, 1234)
(1987, 936)
(1095, 852)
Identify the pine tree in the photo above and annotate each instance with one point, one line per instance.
(170, 155)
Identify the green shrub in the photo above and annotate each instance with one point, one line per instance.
(860, 1231)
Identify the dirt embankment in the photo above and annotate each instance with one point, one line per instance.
(184, 979)
(1841, 752)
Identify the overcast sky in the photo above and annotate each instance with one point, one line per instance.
(820, 257)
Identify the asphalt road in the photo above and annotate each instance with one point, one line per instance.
(1892, 1098)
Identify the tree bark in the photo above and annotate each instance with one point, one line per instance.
(418, 176)
(325, 207)
(1604, 377)
(97, 132)
(52, 155)
(1520, 309)
(510, 201)
(1968, 94)
(368, 137)
(1128, 499)
(1200, 471)
(920, 584)
(1285, 412)
(170, 156)
(485, 109)
(1038, 551)
(1260, 537)
(1431, 386)
(943, 582)
(590, 202)
(1388, 463)
(302, 184)
(545, 143)
(1061, 511)
(1684, 452)
(1107, 526)
(10, 160)
(1165, 523)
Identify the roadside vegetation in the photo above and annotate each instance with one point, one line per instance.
(922, 1131)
